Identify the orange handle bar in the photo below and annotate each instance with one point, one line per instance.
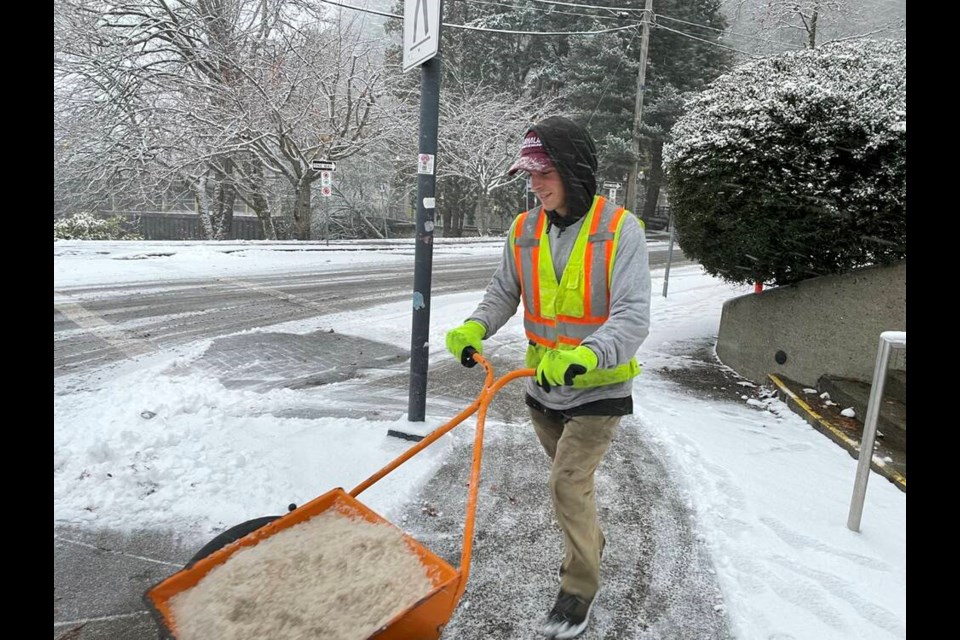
(430, 439)
(490, 389)
(485, 398)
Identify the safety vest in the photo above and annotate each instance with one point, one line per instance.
(560, 313)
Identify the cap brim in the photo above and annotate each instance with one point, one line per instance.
(530, 163)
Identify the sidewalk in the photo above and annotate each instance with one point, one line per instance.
(712, 379)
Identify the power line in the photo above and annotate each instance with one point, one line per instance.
(469, 28)
(730, 33)
(538, 33)
(693, 24)
(587, 6)
(563, 33)
(624, 9)
(561, 13)
(364, 10)
(551, 33)
(716, 44)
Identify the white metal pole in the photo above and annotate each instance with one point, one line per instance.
(887, 339)
(666, 271)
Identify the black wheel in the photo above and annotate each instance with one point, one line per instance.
(228, 536)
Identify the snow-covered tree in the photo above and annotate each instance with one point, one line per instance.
(366, 198)
(794, 166)
(104, 116)
(775, 26)
(599, 84)
(227, 97)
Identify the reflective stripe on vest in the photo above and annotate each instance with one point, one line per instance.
(568, 309)
(560, 313)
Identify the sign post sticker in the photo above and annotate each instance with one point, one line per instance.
(425, 163)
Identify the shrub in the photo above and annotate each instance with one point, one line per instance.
(84, 226)
(794, 166)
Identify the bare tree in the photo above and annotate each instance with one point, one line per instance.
(104, 115)
(320, 98)
(225, 96)
(773, 26)
(148, 80)
(479, 136)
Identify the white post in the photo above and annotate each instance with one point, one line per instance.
(888, 340)
(666, 271)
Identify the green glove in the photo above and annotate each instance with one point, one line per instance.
(469, 334)
(560, 367)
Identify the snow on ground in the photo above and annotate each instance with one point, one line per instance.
(770, 494)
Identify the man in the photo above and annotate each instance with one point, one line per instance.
(580, 265)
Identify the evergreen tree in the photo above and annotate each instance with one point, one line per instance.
(599, 87)
(600, 78)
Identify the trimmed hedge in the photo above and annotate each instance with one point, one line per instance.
(794, 166)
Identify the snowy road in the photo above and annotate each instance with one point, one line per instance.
(658, 581)
(101, 324)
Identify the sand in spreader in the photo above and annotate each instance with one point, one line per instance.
(332, 577)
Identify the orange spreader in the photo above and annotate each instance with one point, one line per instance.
(425, 619)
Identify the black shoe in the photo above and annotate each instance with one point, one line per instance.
(569, 616)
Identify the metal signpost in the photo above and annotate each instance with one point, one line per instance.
(529, 197)
(326, 169)
(421, 43)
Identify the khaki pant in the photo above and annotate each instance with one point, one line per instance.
(576, 445)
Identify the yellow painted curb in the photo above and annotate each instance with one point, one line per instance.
(879, 465)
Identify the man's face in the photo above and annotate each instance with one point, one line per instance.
(549, 189)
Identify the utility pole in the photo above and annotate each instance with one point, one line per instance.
(631, 195)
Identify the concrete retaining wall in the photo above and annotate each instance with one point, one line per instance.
(829, 325)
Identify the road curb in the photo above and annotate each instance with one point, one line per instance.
(821, 424)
